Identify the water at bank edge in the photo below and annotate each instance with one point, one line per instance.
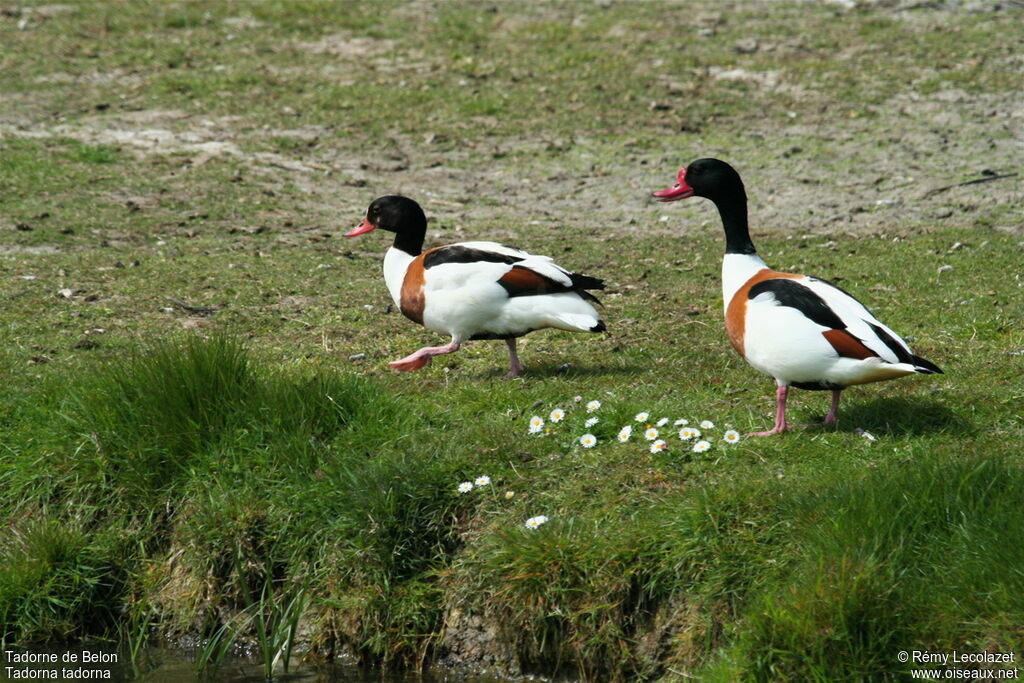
(100, 662)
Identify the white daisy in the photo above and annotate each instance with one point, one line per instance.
(591, 422)
(556, 415)
(509, 494)
(465, 487)
(658, 446)
(482, 480)
(731, 436)
(707, 424)
(687, 433)
(536, 424)
(651, 434)
(588, 440)
(701, 446)
(662, 422)
(681, 423)
(593, 405)
(642, 417)
(534, 522)
(625, 433)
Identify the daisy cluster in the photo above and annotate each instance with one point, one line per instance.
(658, 434)
(478, 483)
(484, 481)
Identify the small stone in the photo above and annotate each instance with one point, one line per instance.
(357, 356)
(746, 46)
(945, 269)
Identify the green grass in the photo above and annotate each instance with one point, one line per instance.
(228, 486)
(882, 567)
(236, 476)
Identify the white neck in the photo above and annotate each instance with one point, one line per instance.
(736, 270)
(396, 262)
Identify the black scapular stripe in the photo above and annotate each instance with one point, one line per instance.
(795, 295)
(459, 254)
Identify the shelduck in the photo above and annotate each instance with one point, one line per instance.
(475, 290)
(803, 331)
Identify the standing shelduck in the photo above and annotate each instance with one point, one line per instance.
(803, 331)
(474, 290)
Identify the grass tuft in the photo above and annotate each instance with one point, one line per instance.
(56, 583)
(913, 558)
(247, 482)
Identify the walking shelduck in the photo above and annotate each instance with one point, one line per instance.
(803, 331)
(474, 290)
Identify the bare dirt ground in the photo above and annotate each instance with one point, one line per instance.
(824, 165)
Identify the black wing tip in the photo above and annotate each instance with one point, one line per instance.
(585, 281)
(587, 296)
(926, 367)
(580, 285)
(599, 327)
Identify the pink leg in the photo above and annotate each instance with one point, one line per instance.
(831, 417)
(417, 360)
(514, 366)
(780, 413)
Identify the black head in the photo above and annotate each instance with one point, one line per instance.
(719, 182)
(710, 178)
(392, 212)
(713, 178)
(399, 215)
